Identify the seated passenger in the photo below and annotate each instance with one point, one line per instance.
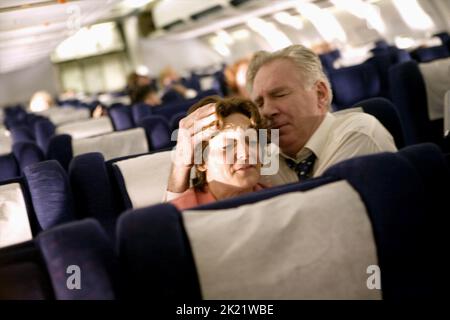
(230, 164)
(41, 101)
(172, 89)
(294, 96)
(147, 95)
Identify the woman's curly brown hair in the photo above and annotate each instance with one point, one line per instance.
(224, 108)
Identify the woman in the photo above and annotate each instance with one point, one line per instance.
(230, 163)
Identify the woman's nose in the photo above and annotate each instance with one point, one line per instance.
(242, 153)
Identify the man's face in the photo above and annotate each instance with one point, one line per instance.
(282, 97)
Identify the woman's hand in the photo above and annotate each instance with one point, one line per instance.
(195, 128)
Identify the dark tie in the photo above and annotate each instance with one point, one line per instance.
(303, 169)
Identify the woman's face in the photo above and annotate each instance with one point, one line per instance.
(232, 158)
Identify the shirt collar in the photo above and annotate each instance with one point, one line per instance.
(316, 143)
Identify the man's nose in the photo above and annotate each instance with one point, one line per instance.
(269, 110)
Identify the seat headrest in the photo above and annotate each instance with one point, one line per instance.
(397, 202)
(143, 180)
(113, 145)
(155, 255)
(10, 167)
(86, 128)
(27, 153)
(355, 83)
(50, 193)
(251, 252)
(84, 246)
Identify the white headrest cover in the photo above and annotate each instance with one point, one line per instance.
(86, 128)
(14, 224)
(60, 115)
(304, 245)
(436, 75)
(146, 178)
(5, 142)
(447, 113)
(113, 145)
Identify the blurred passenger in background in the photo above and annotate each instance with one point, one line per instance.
(172, 88)
(41, 101)
(147, 95)
(235, 76)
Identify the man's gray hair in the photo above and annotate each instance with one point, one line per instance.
(307, 62)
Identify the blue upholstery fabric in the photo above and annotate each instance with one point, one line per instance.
(157, 130)
(121, 117)
(172, 96)
(174, 121)
(396, 201)
(84, 244)
(43, 131)
(328, 59)
(60, 149)
(219, 84)
(140, 111)
(353, 84)
(207, 93)
(50, 193)
(409, 96)
(9, 168)
(168, 110)
(266, 194)
(155, 256)
(21, 134)
(444, 36)
(387, 114)
(430, 54)
(92, 190)
(383, 61)
(27, 153)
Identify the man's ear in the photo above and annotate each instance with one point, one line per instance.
(322, 95)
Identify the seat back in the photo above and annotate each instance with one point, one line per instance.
(9, 168)
(111, 145)
(140, 111)
(430, 53)
(50, 193)
(86, 128)
(92, 192)
(142, 180)
(169, 268)
(44, 130)
(79, 248)
(393, 188)
(411, 94)
(353, 84)
(27, 153)
(15, 213)
(233, 270)
(121, 117)
(387, 114)
(158, 131)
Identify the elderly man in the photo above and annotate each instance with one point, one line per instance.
(294, 95)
